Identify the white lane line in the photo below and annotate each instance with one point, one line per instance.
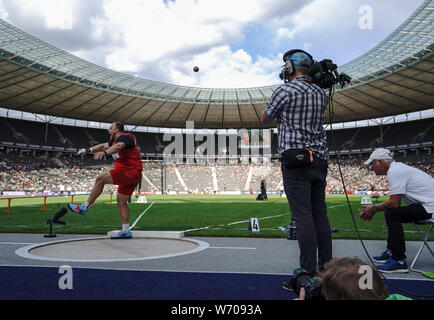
(137, 220)
(14, 243)
(233, 248)
(25, 251)
(236, 222)
(263, 218)
(337, 206)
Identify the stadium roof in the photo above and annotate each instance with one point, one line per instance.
(393, 78)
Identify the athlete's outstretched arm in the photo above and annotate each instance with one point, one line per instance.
(111, 150)
(96, 148)
(100, 147)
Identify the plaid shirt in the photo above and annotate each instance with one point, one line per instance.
(299, 107)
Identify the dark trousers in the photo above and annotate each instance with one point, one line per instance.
(305, 190)
(395, 217)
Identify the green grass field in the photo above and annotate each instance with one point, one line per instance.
(225, 216)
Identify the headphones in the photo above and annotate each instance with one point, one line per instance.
(288, 69)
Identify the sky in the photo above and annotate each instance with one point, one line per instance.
(235, 43)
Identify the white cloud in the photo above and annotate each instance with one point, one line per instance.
(181, 34)
(163, 40)
(222, 68)
(56, 14)
(315, 16)
(61, 17)
(151, 30)
(307, 46)
(3, 12)
(285, 33)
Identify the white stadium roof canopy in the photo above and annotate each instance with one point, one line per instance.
(395, 77)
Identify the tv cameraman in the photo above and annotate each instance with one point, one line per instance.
(299, 106)
(264, 190)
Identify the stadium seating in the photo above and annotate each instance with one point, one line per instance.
(24, 131)
(34, 171)
(34, 168)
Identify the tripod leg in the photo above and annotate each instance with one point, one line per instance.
(50, 233)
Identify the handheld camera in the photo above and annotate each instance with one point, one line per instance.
(312, 286)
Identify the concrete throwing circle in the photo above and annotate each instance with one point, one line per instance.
(105, 250)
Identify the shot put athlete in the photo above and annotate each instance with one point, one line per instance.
(127, 173)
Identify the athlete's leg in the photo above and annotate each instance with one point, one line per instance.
(124, 210)
(97, 189)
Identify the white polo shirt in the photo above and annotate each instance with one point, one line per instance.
(413, 184)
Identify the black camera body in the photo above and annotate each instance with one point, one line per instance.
(312, 286)
(324, 73)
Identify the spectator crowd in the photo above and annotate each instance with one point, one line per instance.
(38, 173)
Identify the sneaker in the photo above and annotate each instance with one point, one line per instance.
(393, 266)
(77, 208)
(122, 235)
(382, 258)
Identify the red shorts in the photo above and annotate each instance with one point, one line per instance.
(126, 179)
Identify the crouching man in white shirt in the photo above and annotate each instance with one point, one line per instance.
(416, 189)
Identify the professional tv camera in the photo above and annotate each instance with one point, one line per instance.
(263, 194)
(323, 73)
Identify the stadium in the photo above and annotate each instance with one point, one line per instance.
(205, 153)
